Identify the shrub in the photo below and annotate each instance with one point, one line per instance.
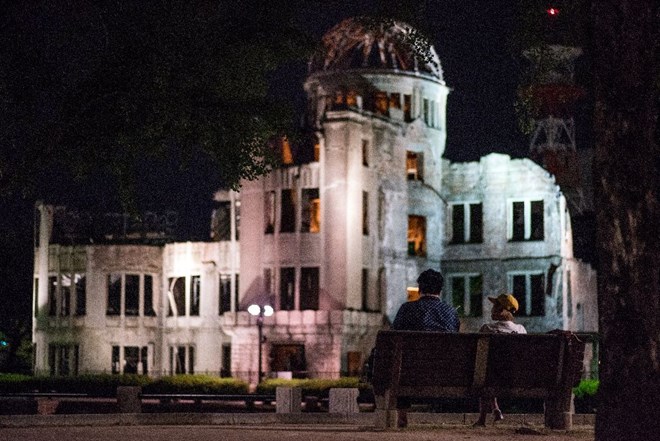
(313, 386)
(586, 396)
(196, 384)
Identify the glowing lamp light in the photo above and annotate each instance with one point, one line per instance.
(265, 311)
(553, 11)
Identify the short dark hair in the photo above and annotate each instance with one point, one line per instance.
(430, 282)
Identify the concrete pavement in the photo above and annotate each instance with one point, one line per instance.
(279, 427)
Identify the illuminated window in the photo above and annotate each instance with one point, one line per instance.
(351, 99)
(416, 236)
(466, 294)
(395, 101)
(415, 166)
(467, 223)
(317, 151)
(525, 220)
(287, 153)
(407, 108)
(309, 288)
(311, 211)
(528, 289)
(382, 103)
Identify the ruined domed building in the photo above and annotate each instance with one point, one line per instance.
(331, 241)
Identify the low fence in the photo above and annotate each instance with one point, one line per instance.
(130, 399)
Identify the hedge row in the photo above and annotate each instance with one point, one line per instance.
(106, 384)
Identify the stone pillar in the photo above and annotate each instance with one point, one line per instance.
(128, 399)
(344, 400)
(288, 399)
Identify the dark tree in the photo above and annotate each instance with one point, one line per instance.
(627, 165)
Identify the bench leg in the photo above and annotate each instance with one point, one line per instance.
(559, 412)
(385, 413)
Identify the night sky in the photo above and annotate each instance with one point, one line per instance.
(471, 39)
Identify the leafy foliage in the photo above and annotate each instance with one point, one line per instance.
(89, 88)
(315, 386)
(199, 384)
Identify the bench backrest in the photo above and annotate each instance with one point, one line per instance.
(433, 364)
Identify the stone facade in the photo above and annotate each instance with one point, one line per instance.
(331, 242)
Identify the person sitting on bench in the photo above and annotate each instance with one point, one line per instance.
(504, 306)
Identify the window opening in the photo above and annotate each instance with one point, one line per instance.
(416, 236)
(288, 218)
(287, 283)
(311, 211)
(195, 295)
(414, 166)
(309, 288)
(467, 223)
(365, 213)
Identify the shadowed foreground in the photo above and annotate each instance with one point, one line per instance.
(286, 433)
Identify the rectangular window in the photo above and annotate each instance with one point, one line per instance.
(65, 295)
(221, 221)
(195, 295)
(425, 110)
(395, 101)
(63, 359)
(526, 220)
(407, 108)
(467, 223)
(114, 294)
(35, 297)
(81, 294)
(287, 284)
(52, 296)
(144, 361)
(365, 153)
(269, 212)
(309, 288)
(365, 289)
(414, 166)
(149, 310)
(288, 215)
(224, 294)
(365, 213)
(132, 295)
(310, 221)
(381, 103)
(528, 289)
(225, 367)
(116, 367)
(569, 295)
(182, 360)
(176, 296)
(131, 359)
(416, 236)
(467, 294)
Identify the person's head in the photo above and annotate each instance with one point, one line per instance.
(430, 282)
(504, 306)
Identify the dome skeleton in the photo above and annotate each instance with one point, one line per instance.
(353, 45)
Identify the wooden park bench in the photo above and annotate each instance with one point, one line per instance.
(431, 365)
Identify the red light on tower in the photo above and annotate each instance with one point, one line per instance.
(552, 11)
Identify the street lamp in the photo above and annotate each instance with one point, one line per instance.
(260, 312)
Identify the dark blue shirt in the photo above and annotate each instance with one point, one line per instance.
(429, 313)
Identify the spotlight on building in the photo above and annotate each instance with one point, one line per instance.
(260, 311)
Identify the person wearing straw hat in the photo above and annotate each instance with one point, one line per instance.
(504, 306)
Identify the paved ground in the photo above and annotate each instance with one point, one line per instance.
(297, 432)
